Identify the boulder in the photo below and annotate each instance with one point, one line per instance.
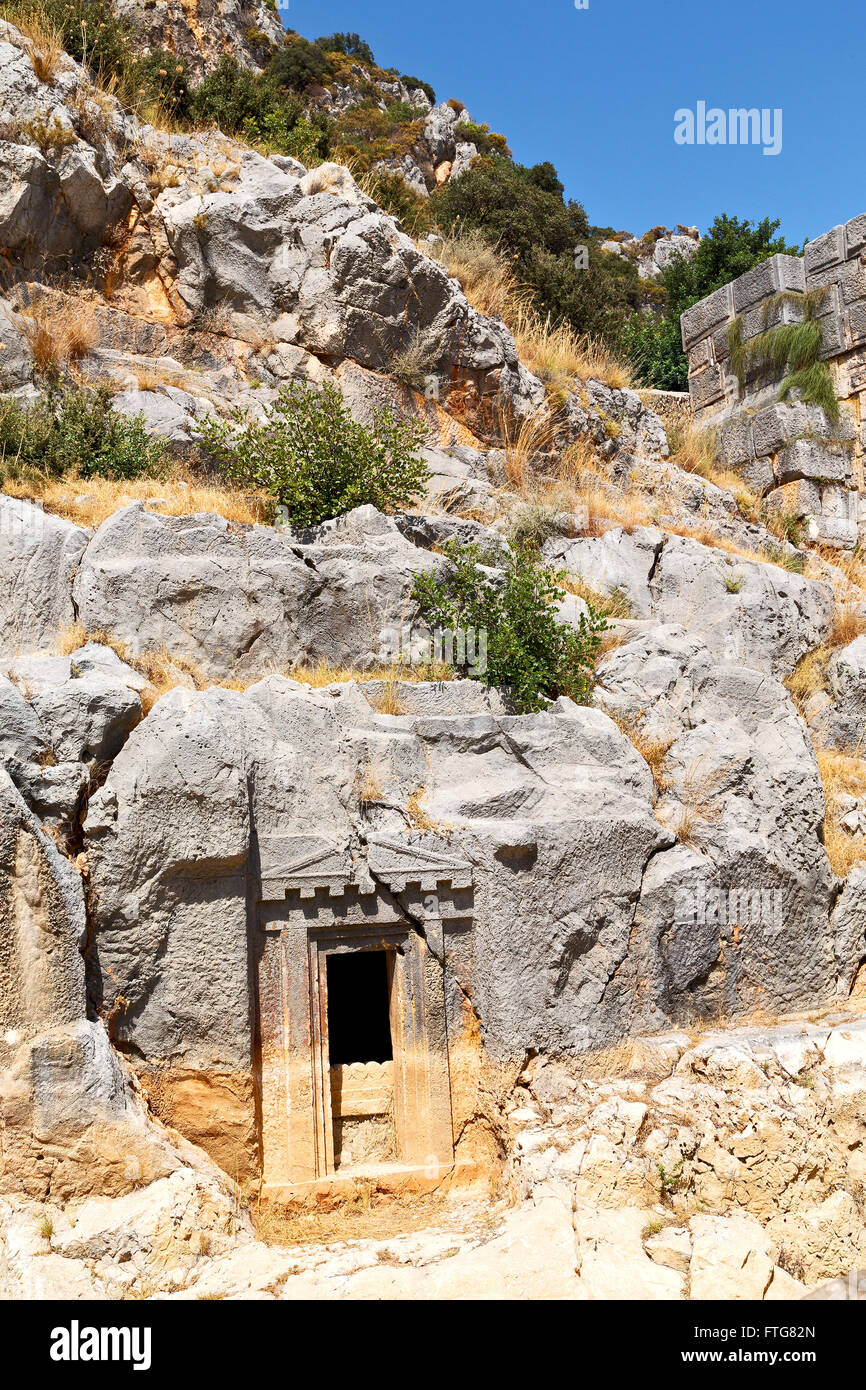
(247, 599)
(846, 675)
(39, 554)
(88, 718)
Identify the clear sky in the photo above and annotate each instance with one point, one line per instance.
(595, 91)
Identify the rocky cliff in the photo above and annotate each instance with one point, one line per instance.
(216, 780)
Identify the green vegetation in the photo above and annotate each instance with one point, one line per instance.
(315, 459)
(521, 211)
(527, 649)
(76, 431)
(95, 36)
(792, 348)
(730, 248)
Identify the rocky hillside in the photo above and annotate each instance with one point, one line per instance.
(260, 447)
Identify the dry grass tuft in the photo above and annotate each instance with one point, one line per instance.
(554, 352)
(841, 773)
(698, 805)
(44, 47)
(90, 501)
(59, 332)
(486, 276)
(523, 441)
(369, 784)
(559, 355)
(808, 678)
(848, 624)
(652, 750)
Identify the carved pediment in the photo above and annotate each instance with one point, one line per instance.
(303, 863)
(400, 862)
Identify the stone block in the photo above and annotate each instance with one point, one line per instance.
(707, 386)
(775, 425)
(834, 531)
(736, 441)
(758, 475)
(800, 498)
(856, 316)
(824, 251)
(810, 458)
(706, 315)
(852, 279)
(779, 272)
(701, 355)
(855, 234)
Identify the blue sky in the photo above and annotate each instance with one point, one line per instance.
(595, 91)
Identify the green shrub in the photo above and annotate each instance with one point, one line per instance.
(527, 649)
(300, 65)
(76, 431)
(521, 212)
(231, 97)
(412, 82)
(350, 45)
(315, 459)
(728, 250)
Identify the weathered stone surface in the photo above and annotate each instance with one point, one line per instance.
(21, 734)
(249, 599)
(39, 554)
(771, 620)
(744, 609)
(740, 784)
(88, 718)
(846, 676)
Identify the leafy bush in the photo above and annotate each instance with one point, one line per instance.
(76, 431)
(521, 211)
(299, 66)
(412, 82)
(350, 45)
(527, 649)
(255, 107)
(231, 97)
(163, 78)
(729, 249)
(315, 459)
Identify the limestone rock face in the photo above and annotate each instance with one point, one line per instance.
(847, 679)
(39, 554)
(249, 599)
(740, 785)
(744, 610)
(201, 33)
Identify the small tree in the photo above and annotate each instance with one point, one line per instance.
(315, 459)
(537, 657)
(77, 430)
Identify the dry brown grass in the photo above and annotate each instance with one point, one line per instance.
(808, 678)
(554, 352)
(558, 355)
(370, 783)
(848, 624)
(841, 773)
(44, 48)
(652, 750)
(363, 1214)
(487, 277)
(698, 804)
(90, 501)
(59, 332)
(523, 441)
